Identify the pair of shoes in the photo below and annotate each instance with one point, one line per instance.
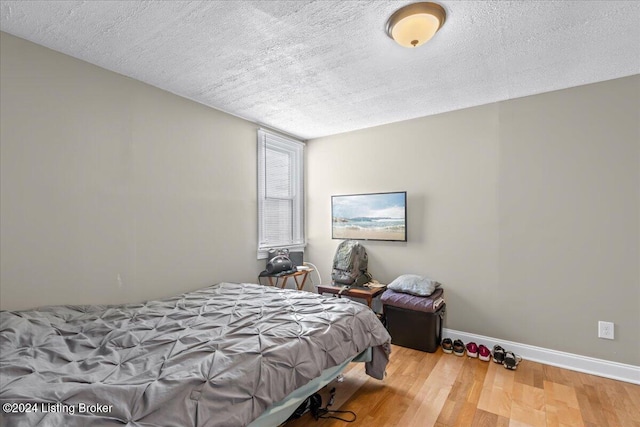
(481, 352)
(447, 345)
(508, 359)
(511, 360)
(458, 348)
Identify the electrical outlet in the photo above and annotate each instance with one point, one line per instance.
(605, 330)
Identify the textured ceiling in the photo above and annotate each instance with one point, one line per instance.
(316, 68)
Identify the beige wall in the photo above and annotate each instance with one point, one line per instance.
(528, 211)
(112, 190)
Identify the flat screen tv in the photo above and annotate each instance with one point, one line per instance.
(374, 216)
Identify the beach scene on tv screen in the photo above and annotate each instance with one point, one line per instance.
(369, 216)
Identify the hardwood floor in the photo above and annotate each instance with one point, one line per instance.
(443, 390)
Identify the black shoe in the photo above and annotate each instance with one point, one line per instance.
(447, 345)
(458, 348)
(511, 360)
(498, 354)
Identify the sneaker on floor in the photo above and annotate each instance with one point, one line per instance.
(483, 353)
(458, 348)
(447, 345)
(472, 349)
(511, 360)
(498, 354)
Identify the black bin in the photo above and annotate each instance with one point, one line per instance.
(418, 330)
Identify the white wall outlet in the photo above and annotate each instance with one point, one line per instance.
(605, 330)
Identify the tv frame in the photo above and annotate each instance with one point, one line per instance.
(354, 208)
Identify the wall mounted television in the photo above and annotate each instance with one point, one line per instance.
(373, 216)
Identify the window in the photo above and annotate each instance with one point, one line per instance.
(280, 193)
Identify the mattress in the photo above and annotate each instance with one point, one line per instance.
(218, 356)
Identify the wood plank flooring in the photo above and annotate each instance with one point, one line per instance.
(443, 390)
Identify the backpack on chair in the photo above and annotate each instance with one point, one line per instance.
(350, 265)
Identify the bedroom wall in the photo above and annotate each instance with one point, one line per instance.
(113, 190)
(528, 211)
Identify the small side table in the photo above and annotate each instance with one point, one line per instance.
(301, 274)
(367, 294)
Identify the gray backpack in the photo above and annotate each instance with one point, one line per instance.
(350, 264)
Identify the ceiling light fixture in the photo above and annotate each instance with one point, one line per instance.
(416, 23)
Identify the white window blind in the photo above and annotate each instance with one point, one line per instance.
(280, 193)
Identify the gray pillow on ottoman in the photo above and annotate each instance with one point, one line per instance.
(414, 284)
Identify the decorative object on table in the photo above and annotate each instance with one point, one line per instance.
(279, 263)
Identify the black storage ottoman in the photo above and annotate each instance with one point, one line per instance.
(412, 322)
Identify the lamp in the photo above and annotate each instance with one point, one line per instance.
(416, 23)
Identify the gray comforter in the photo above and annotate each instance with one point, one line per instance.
(218, 356)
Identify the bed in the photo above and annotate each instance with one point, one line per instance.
(226, 355)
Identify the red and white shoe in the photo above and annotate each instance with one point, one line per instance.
(484, 353)
(472, 349)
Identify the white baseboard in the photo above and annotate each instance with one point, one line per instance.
(574, 362)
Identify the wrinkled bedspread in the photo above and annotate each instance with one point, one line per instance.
(218, 356)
